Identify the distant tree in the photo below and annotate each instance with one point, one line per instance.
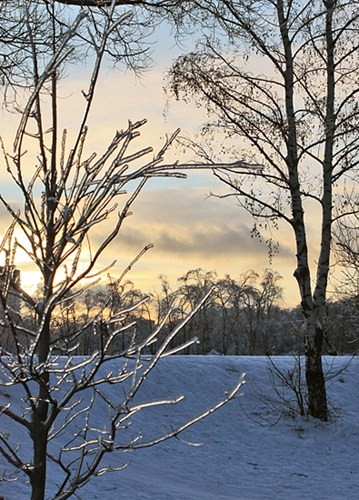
(65, 196)
(223, 294)
(192, 285)
(342, 325)
(346, 246)
(342, 331)
(161, 302)
(252, 304)
(277, 78)
(237, 290)
(237, 319)
(123, 296)
(270, 294)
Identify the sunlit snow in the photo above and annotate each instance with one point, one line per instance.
(251, 450)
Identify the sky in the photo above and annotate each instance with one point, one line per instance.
(189, 228)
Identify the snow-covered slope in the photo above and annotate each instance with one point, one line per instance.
(244, 456)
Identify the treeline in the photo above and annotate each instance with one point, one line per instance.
(243, 316)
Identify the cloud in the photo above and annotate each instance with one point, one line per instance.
(189, 230)
(205, 238)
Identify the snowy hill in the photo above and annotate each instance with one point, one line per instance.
(244, 456)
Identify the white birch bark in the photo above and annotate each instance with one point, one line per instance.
(297, 116)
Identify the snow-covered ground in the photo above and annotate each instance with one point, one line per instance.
(244, 456)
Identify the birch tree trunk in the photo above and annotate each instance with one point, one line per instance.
(297, 116)
(317, 399)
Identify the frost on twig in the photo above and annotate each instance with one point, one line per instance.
(65, 197)
(77, 384)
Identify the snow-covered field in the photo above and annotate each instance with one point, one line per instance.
(244, 456)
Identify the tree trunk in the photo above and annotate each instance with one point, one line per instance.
(39, 432)
(317, 405)
(317, 401)
(317, 398)
(38, 474)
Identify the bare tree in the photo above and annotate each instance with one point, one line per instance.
(267, 297)
(246, 309)
(346, 245)
(342, 309)
(127, 46)
(65, 196)
(192, 286)
(298, 117)
(239, 318)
